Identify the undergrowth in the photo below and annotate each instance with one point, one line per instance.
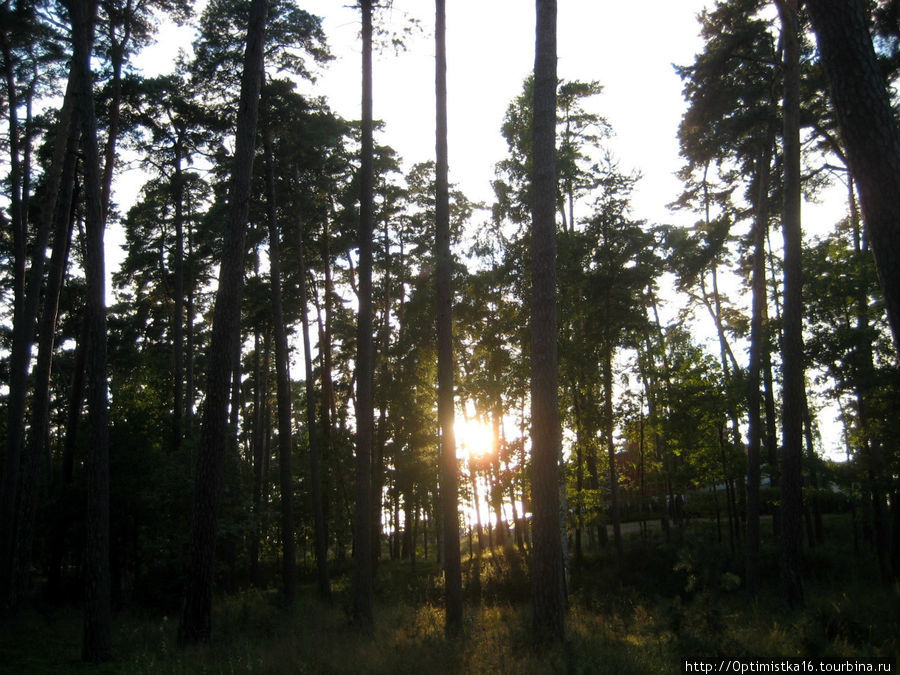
(666, 602)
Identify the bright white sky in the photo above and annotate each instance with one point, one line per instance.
(629, 47)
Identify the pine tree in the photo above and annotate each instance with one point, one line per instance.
(449, 478)
(196, 614)
(547, 560)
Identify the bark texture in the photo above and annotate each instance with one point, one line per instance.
(754, 377)
(449, 477)
(283, 382)
(96, 640)
(315, 445)
(792, 347)
(868, 130)
(195, 618)
(547, 559)
(363, 588)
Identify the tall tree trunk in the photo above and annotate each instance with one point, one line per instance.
(321, 540)
(329, 414)
(449, 478)
(196, 614)
(380, 432)
(580, 442)
(329, 406)
(117, 50)
(869, 132)
(16, 207)
(662, 450)
(755, 430)
(256, 447)
(812, 469)
(476, 504)
(38, 448)
(547, 559)
(792, 348)
(283, 379)
(97, 610)
(178, 305)
(70, 437)
(189, 388)
(871, 444)
(22, 328)
(26, 304)
(363, 582)
(611, 451)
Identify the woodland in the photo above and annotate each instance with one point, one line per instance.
(331, 415)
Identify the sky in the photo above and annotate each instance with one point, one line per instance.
(629, 47)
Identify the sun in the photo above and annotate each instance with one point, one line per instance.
(474, 438)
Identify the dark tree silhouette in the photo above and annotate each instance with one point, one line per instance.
(195, 618)
(97, 611)
(363, 583)
(449, 477)
(869, 132)
(792, 347)
(547, 560)
(283, 382)
(312, 429)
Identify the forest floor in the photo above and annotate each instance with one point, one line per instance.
(666, 603)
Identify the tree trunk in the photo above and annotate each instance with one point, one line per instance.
(547, 559)
(73, 422)
(755, 430)
(22, 332)
(448, 478)
(38, 448)
(178, 308)
(329, 408)
(97, 610)
(871, 444)
(16, 207)
(189, 394)
(792, 348)
(611, 452)
(771, 421)
(283, 379)
(869, 131)
(256, 446)
(196, 613)
(26, 302)
(476, 503)
(363, 586)
(321, 541)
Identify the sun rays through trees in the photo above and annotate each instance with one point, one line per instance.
(262, 372)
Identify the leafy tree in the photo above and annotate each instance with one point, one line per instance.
(169, 128)
(849, 340)
(620, 266)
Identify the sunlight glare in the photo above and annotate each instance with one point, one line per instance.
(474, 438)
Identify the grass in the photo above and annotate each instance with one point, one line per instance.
(682, 600)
